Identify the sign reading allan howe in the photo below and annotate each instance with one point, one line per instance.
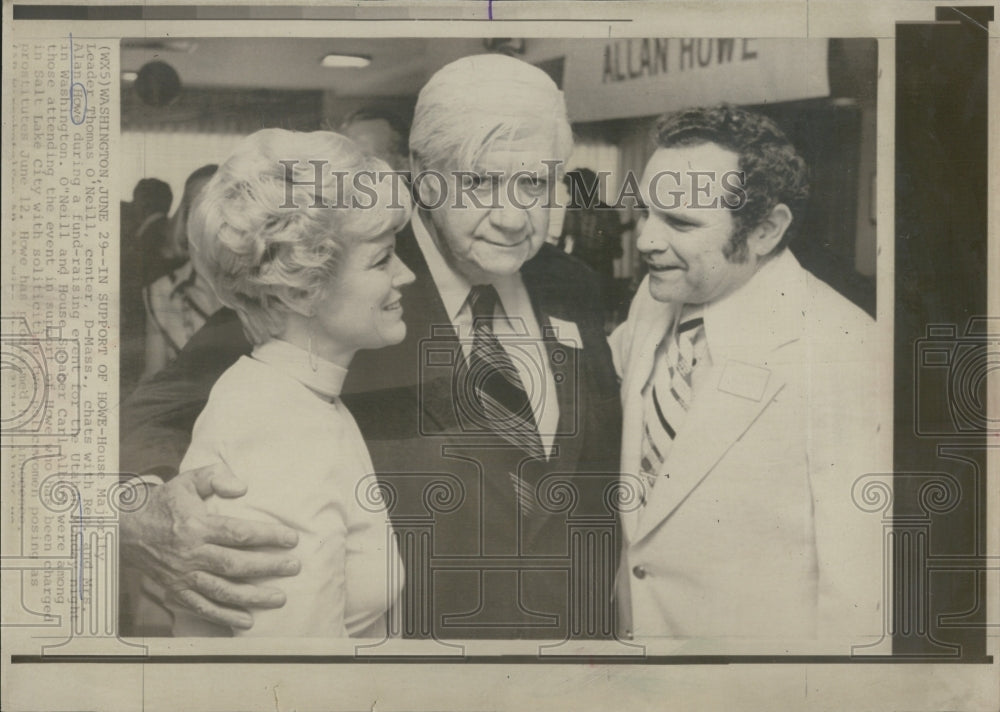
(637, 77)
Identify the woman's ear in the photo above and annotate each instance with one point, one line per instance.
(767, 235)
(299, 301)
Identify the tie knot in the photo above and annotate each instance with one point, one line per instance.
(687, 334)
(483, 301)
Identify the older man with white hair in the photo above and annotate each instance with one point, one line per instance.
(494, 427)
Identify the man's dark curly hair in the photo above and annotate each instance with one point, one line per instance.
(773, 172)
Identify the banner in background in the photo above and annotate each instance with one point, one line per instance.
(645, 76)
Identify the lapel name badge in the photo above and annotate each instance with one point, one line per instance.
(744, 380)
(566, 333)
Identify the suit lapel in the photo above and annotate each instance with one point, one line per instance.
(716, 421)
(741, 383)
(428, 328)
(570, 397)
(547, 296)
(637, 372)
(545, 299)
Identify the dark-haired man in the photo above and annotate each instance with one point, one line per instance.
(748, 390)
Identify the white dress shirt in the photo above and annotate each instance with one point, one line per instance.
(515, 326)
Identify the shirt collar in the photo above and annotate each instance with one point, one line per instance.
(452, 286)
(327, 379)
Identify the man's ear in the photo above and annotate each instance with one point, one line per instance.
(767, 235)
(427, 188)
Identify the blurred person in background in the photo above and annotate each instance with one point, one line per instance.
(592, 231)
(380, 132)
(151, 199)
(178, 303)
(153, 237)
(143, 221)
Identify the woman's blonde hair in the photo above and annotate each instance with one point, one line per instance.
(271, 225)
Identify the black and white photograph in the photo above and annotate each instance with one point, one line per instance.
(359, 354)
(487, 394)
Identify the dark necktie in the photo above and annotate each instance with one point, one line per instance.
(495, 386)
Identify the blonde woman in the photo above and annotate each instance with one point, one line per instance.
(312, 285)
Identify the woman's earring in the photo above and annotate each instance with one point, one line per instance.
(313, 364)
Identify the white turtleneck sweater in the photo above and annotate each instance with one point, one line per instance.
(275, 419)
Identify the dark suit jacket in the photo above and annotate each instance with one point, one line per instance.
(475, 564)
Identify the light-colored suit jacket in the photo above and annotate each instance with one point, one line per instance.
(751, 529)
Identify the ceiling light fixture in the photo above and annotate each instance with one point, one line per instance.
(345, 61)
(129, 77)
(161, 45)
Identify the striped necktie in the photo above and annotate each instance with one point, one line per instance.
(667, 397)
(497, 391)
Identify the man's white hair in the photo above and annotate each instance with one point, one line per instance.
(470, 105)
